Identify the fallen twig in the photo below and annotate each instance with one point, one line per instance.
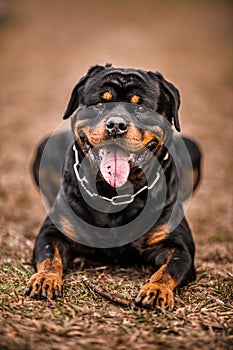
(107, 295)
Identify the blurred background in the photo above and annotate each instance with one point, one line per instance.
(47, 46)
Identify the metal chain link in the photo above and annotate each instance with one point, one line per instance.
(116, 199)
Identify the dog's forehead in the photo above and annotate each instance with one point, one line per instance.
(122, 75)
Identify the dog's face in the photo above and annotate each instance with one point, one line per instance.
(113, 118)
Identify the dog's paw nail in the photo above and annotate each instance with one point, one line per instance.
(56, 294)
(147, 303)
(28, 290)
(138, 300)
(46, 287)
(44, 296)
(36, 295)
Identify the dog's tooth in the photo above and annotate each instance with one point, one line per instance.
(132, 157)
(101, 152)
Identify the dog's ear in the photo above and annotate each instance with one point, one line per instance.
(77, 92)
(75, 97)
(174, 96)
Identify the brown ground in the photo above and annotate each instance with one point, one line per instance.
(46, 46)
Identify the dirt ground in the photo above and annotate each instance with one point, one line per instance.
(46, 46)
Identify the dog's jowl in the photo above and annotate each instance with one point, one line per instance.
(123, 183)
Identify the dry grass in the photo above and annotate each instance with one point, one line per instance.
(202, 318)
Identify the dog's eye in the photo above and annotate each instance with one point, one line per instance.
(135, 99)
(99, 105)
(107, 96)
(140, 109)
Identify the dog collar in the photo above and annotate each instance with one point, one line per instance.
(116, 200)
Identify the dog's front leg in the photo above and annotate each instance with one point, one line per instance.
(177, 268)
(51, 255)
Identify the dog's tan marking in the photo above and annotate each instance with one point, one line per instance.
(156, 236)
(107, 96)
(133, 142)
(158, 291)
(95, 135)
(133, 134)
(47, 282)
(135, 99)
(149, 136)
(162, 277)
(51, 264)
(80, 126)
(68, 229)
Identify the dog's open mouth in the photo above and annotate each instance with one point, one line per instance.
(116, 159)
(114, 165)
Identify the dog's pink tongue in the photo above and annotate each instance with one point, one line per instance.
(114, 166)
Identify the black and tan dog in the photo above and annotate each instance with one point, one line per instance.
(114, 130)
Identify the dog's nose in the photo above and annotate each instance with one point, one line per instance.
(116, 125)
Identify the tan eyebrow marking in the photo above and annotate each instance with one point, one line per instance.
(107, 96)
(135, 99)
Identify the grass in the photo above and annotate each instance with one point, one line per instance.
(84, 320)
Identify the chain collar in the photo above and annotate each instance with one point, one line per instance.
(116, 200)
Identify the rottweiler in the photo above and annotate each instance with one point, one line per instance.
(124, 129)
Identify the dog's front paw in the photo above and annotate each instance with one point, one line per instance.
(155, 294)
(44, 285)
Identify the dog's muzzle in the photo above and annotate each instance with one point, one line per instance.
(117, 132)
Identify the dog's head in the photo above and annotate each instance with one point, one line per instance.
(113, 118)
